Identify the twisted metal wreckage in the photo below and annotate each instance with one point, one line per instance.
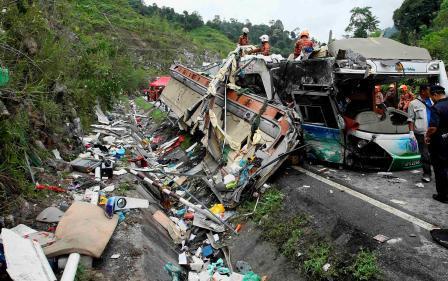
(244, 133)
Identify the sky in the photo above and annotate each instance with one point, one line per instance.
(318, 16)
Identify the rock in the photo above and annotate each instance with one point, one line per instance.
(9, 221)
(30, 45)
(3, 110)
(50, 215)
(60, 165)
(26, 209)
(40, 144)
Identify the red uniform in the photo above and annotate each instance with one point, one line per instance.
(265, 49)
(244, 40)
(301, 43)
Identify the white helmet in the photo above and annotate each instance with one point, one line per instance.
(245, 30)
(264, 38)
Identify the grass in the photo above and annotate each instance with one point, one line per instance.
(269, 204)
(141, 103)
(211, 39)
(294, 234)
(123, 188)
(365, 266)
(156, 114)
(82, 274)
(317, 256)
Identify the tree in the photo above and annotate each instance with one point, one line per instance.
(362, 21)
(414, 17)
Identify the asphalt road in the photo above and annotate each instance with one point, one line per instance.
(410, 254)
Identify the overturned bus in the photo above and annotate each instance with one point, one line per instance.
(333, 91)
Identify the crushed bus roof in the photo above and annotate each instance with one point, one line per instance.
(379, 48)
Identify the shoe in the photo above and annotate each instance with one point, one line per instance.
(439, 198)
(426, 179)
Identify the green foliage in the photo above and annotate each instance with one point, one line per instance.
(365, 266)
(123, 188)
(185, 20)
(317, 257)
(64, 56)
(281, 40)
(159, 116)
(211, 39)
(362, 21)
(414, 17)
(284, 233)
(436, 43)
(141, 103)
(269, 204)
(436, 37)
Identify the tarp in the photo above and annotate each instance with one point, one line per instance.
(162, 81)
(379, 48)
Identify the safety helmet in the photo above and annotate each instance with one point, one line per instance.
(404, 88)
(304, 33)
(264, 38)
(245, 30)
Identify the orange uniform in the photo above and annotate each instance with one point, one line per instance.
(244, 40)
(265, 49)
(301, 43)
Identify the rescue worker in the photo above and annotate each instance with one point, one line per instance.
(244, 39)
(418, 126)
(303, 42)
(405, 98)
(391, 98)
(437, 138)
(265, 48)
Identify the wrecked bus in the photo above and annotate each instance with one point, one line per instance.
(335, 97)
(333, 91)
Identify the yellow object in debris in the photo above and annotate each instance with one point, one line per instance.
(103, 200)
(217, 209)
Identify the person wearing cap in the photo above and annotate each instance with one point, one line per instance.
(405, 98)
(244, 39)
(437, 138)
(265, 48)
(391, 98)
(303, 42)
(418, 126)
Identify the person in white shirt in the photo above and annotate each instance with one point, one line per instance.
(418, 126)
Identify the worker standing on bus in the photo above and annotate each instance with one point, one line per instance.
(265, 48)
(303, 42)
(244, 39)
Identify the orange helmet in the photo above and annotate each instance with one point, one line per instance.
(404, 88)
(304, 33)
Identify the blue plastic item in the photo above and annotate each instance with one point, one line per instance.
(207, 251)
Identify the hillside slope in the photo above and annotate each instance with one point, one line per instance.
(64, 56)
